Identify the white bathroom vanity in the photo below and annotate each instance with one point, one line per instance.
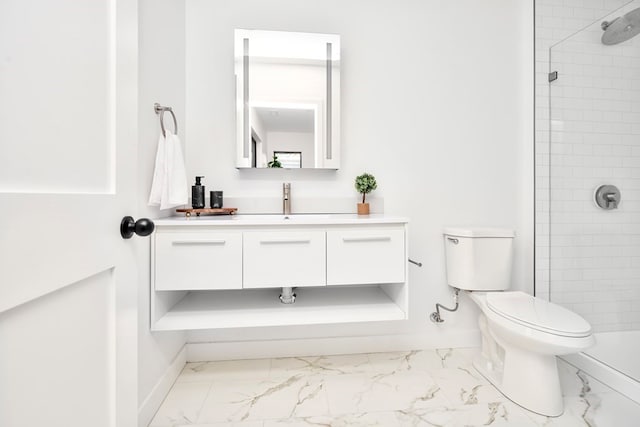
(228, 272)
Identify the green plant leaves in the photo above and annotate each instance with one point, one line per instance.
(366, 183)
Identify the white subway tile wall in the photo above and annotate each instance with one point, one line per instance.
(587, 134)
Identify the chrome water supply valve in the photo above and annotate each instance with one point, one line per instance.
(436, 317)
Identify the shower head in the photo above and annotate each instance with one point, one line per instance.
(622, 28)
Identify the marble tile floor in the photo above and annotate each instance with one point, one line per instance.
(413, 388)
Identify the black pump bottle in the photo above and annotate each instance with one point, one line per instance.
(197, 194)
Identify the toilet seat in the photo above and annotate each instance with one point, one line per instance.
(537, 314)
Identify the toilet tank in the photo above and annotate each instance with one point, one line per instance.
(479, 259)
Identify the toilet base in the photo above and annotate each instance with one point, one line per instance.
(529, 380)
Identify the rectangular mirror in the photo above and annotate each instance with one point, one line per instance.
(287, 99)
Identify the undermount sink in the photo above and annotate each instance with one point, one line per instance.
(288, 217)
(298, 217)
(280, 219)
(311, 218)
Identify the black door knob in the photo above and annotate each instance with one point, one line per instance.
(141, 227)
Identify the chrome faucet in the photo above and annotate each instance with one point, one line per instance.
(286, 198)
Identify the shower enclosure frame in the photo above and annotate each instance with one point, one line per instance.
(590, 248)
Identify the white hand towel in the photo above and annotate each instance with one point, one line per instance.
(175, 189)
(158, 174)
(169, 186)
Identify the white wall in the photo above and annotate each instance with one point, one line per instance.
(293, 141)
(161, 79)
(594, 140)
(287, 82)
(443, 118)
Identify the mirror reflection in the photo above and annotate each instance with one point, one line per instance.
(287, 100)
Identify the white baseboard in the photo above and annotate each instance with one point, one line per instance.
(209, 351)
(152, 402)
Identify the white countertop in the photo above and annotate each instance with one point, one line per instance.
(279, 219)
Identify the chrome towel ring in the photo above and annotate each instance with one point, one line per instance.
(159, 109)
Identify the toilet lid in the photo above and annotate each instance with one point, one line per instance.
(538, 314)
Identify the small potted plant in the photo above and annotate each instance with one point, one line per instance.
(275, 163)
(365, 183)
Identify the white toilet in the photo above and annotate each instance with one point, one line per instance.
(521, 334)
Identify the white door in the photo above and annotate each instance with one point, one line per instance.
(68, 124)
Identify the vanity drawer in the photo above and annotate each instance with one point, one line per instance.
(284, 258)
(373, 255)
(203, 260)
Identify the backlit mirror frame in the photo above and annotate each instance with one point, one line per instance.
(284, 45)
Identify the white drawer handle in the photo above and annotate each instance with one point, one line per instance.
(367, 239)
(198, 242)
(283, 241)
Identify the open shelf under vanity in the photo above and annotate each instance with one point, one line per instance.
(261, 307)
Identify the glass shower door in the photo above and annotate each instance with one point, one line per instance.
(594, 264)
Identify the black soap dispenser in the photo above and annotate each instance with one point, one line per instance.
(197, 194)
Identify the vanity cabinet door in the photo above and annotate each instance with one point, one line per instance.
(366, 256)
(284, 258)
(202, 260)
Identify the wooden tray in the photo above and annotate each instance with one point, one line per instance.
(207, 211)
